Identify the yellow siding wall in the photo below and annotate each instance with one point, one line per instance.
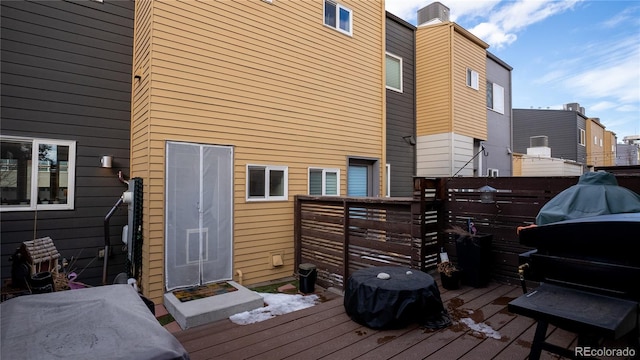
(595, 143)
(140, 130)
(444, 101)
(469, 105)
(433, 80)
(609, 148)
(270, 80)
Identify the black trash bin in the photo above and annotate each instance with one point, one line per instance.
(308, 275)
(474, 259)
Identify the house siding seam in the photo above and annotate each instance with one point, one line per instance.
(241, 74)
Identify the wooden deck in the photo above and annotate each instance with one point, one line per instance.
(325, 331)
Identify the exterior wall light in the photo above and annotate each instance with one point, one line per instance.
(106, 161)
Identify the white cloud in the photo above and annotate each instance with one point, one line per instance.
(627, 14)
(493, 35)
(515, 16)
(502, 19)
(614, 79)
(602, 105)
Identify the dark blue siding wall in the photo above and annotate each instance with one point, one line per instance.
(560, 126)
(401, 108)
(66, 74)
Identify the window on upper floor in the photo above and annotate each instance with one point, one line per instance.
(338, 17)
(394, 72)
(582, 137)
(324, 181)
(595, 140)
(49, 185)
(267, 182)
(495, 97)
(473, 79)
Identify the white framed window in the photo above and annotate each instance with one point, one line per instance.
(582, 137)
(473, 79)
(324, 181)
(394, 72)
(338, 17)
(492, 172)
(49, 185)
(595, 140)
(267, 182)
(600, 142)
(495, 97)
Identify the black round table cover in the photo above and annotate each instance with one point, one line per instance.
(408, 296)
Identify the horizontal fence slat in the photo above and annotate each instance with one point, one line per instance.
(410, 231)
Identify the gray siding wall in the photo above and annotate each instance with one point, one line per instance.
(66, 74)
(401, 108)
(499, 125)
(560, 126)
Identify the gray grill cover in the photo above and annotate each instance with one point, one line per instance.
(106, 322)
(596, 193)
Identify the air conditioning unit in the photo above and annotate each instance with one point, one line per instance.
(539, 141)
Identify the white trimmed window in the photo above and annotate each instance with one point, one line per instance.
(267, 182)
(583, 137)
(394, 72)
(473, 79)
(338, 17)
(324, 181)
(495, 97)
(49, 185)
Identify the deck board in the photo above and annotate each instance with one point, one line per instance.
(325, 331)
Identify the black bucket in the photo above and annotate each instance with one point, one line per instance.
(41, 283)
(308, 275)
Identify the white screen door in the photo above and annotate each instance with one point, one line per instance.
(198, 206)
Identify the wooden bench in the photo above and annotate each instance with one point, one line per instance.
(589, 276)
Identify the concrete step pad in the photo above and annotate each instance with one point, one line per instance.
(213, 308)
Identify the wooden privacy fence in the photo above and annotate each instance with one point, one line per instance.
(342, 234)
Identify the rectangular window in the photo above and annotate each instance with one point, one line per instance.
(394, 72)
(582, 137)
(338, 17)
(324, 181)
(472, 79)
(595, 140)
(266, 182)
(495, 97)
(47, 183)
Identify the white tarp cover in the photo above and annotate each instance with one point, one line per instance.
(106, 322)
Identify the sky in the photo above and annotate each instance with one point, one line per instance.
(569, 51)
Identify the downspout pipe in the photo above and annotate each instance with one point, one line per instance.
(107, 238)
(240, 276)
